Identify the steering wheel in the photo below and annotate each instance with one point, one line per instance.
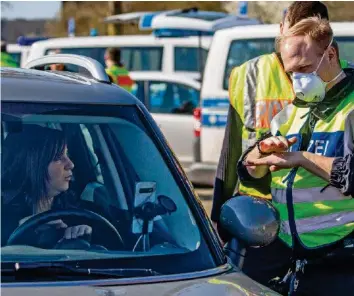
(17, 237)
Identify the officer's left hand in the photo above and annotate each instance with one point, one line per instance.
(278, 161)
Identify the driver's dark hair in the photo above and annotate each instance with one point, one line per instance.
(26, 156)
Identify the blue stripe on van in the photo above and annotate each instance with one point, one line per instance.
(146, 20)
(214, 120)
(207, 103)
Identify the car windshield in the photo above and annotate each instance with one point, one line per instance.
(243, 50)
(94, 183)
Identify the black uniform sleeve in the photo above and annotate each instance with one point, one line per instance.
(226, 174)
(342, 174)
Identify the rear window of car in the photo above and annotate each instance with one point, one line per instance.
(188, 59)
(133, 58)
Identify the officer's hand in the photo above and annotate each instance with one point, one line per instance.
(77, 231)
(276, 144)
(278, 161)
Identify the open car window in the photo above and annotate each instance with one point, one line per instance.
(118, 172)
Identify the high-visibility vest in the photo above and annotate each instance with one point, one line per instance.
(8, 61)
(258, 90)
(120, 76)
(317, 215)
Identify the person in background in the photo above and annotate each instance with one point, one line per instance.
(56, 67)
(116, 71)
(6, 59)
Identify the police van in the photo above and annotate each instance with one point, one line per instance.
(230, 48)
(179, 41)
(19, 51)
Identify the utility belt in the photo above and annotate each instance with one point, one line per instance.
(339, 259)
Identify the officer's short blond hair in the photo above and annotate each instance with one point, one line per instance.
(318, 29)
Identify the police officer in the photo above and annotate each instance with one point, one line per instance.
(6, 59)
(296, 163)
(115, 69)
(266, 90)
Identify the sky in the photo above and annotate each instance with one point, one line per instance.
(31, 9)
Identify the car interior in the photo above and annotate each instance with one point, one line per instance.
(109, 163)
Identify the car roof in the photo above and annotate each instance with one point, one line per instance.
(266, 31)
(23, 85)
(170, 77)
(129, 40)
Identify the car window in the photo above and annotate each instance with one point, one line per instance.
(346, 48)
(133, 58)
(188, 58)
(111, 166)
(138, 90)
(168, 97)
(243, 50)
(16, 56)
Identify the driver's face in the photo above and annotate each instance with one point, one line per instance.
(60, 174)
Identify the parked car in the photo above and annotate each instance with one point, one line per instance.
(230, 48)
(150, 234)
(171, 99)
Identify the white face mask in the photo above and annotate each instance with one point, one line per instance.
(309, 87)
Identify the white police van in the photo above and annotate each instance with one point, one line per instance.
(179, 42)
(230, 48)
(20, 51)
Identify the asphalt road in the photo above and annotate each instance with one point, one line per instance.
(206, 195)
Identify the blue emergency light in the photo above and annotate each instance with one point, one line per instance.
(27, 41)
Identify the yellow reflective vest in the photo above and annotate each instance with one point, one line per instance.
(258, 90)
(316, 214)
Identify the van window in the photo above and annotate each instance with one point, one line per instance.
(168, 97)
(133, 58)
(16, 56)
(243, 50)
(187, 58)
(346, 48)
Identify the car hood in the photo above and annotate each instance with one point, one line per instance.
(230, 284)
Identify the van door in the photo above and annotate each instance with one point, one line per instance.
(172, 105)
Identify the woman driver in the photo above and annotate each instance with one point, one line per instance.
(36, 171)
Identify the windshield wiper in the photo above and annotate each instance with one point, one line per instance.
(48, 269)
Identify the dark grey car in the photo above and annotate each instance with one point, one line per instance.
(149, 234)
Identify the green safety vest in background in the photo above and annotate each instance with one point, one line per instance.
(322, 215)
(120, 76)
(8, 61)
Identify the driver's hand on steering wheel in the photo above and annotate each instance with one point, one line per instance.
(77, 231)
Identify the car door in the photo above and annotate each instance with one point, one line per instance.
(172, 105)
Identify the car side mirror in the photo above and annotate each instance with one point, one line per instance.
(254, 221)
